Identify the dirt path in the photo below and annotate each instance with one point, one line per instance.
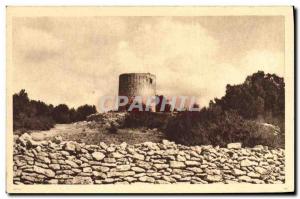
(58, 130)
(82, 132)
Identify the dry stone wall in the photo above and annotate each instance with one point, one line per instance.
(61, 162)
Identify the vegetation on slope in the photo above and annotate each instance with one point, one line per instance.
(242, 115)
(236, 117)
(37, 115)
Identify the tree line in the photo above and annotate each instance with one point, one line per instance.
(36, 115)
(239, 116)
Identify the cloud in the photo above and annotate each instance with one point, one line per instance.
(268, 61)
(78, 60)
(180, 55)
(36, 45)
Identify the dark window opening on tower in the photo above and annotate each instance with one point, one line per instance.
(150, 81)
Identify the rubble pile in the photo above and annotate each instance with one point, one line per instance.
(108, 119)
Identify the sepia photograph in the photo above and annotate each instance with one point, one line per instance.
(150, 99)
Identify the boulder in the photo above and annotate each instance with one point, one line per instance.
(168, 179)
(257, 181)
(248, 163)
(52, 181)
(138, 156)
(70, 146)
(253, 174)
(181, 158)
(147, 179)
(80, 180)
(161, 166)
(258, 147)
(123, 167)
(24, 138)
(236, 145)
(117, 155)
(151, 145)
(103, 145)
(176, 164)
(167, 142)
(47, 172)
(101, 168)
(137, 169)
(57, 139)
(245, 178)
(238, 172)
(260, 170)
(120, 174)
(98, 156)
(54, 166)
(87, 170)
(213, 178)
(123, 145)
(197, 149)
(71, 163)
(109, 160)
(192, 163)
(195, 169)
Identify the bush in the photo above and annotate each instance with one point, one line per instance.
(146, 119)
(61, 114)
(261, 97)
(36, 115)
(219, 128)
(33, 123)
(39, 123)
(239, 116)
(113, 128)
(82, 112)
(30, 114)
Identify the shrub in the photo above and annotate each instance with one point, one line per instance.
(30, 114)
(261, 97)
(113, 128)
(146, 119)
(239, 116)
(61, 114)
(33, 123)
(218, 128)
(36, 115)
(83, 111)
(39, 123)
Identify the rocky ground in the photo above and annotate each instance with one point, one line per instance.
(90, 132)
(97, 129)
(69, 162)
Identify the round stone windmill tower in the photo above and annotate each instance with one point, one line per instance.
(137, 84)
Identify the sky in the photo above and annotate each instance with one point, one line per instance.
(77, 60)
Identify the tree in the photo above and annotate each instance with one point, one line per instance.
(237, 116)
(61, 114)
(37, 115)
(73, 115)
(260, 94)
(30, 114)
(20, 103)
(83, 111)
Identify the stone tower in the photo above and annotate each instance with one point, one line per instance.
(137, 84)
